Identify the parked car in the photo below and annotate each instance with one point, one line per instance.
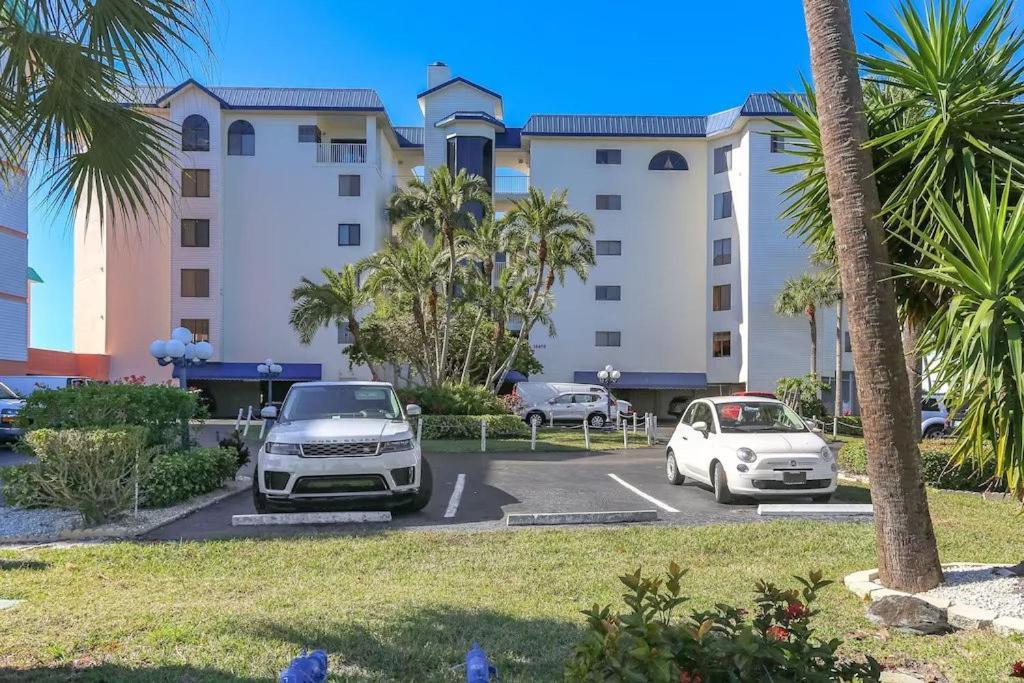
(933, 416)
(677, 406)
(10, 405)
(341, 441)
(750, 446)
(23, 385)
(542, 402)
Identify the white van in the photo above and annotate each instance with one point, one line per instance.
(23, 385)
(567, 402)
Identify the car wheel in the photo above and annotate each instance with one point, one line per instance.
(823, 498)
(672, 470)
(259, 500)
(596, 420)
(722, 493)
(535, 419)
(933, 432)
(419, 500)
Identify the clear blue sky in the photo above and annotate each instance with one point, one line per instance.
(597, 57)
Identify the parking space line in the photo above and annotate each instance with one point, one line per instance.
(664, 506)
(453, 502)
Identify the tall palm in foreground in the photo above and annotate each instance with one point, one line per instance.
(803, 296)
(441, 208)
(66, 68)
(904, 537)
(334, 302)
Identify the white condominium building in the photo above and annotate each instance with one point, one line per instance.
(276, 183)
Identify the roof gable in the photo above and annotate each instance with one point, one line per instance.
(459, 79)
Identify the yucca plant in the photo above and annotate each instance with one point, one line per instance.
(977, 339)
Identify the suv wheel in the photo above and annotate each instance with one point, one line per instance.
(933, 432)
(419, 500)
(722, 493)
(672, 470)
(259, 500)
(596, 420)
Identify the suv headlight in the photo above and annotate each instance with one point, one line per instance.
(826, 453)
(279, 448)
(746, 455)
(393, 446)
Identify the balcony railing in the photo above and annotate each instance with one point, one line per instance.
(511, 184)
(341, 153)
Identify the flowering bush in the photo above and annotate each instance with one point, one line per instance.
(649, 642)
(1017, 670)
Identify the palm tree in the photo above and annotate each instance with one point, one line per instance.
(333, 302)
(441, 208)
(908, 558)
(552, 239)
(66, 68)
(802, 296)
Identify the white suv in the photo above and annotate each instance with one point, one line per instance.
(341, 441)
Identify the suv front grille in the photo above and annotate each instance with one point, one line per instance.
(339, 450)
(340, 484)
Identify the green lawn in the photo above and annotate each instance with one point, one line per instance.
(547, 440)
(405, 605)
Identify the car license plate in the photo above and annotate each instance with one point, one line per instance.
(794, 477)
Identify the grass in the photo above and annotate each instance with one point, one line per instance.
(406, 605)
(548, 440)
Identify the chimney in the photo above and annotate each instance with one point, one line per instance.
(438, 73)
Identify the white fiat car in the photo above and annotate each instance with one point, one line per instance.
(749, 446)
(341, 441)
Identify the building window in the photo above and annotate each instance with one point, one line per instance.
(609, 202)
(721, 297)
(348, 234)
(345, 333)
(608, 292)
(241, 139)
(348, 185)
(195, 134)
(309, 134)
(778, 144)
(723, 205)
(195, 282)
(195, 182)
(195, 232)
(721, 344)
(608, 339)
(668, 161)
(200, 328)
(723, 251)
(609, 248)
(723, 158)
(847, 344)
(609, 156)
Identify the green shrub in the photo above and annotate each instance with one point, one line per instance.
(454, 399)
(849, 425)
(468, 427)
(652, 640)
(802, 394)
(93, 471)
(235, 442)
(158, 408)
(19, 486)
(179, 475)
(935, 463)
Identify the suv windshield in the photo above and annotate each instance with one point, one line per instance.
(5, 392)
(748, 418)
(339, 401)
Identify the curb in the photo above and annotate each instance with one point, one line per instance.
(287, 518)
(552, 518)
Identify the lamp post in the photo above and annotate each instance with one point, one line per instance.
(607, 378)
(268, 370)
(181, 352)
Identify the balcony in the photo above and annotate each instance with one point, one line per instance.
(340, 153)
(511, 186)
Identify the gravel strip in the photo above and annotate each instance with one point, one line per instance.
(15, 523)
(979, 587)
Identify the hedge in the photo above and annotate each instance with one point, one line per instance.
(468, 427)
(180, 475)
(454, 399)
(935, 462)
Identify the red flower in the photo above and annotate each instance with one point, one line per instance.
(796, 610)
(1017, 671)
(687, 677)
(777, 633)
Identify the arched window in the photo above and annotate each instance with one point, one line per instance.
(668, 161)
(195, 134)
(241, 139)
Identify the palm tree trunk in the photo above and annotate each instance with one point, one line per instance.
(528, 319)
(442, 360)
(812, 319)
(837, 399)
(908, 558)
(913, 363)
(469, 352)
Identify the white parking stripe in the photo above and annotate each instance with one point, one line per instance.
(453, 502)
(664, 506)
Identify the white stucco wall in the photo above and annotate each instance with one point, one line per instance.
(453, 98)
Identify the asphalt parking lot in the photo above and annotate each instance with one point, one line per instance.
(475, 492)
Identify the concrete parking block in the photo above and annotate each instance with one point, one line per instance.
(816, 509)
(615, 517)
(310, 518)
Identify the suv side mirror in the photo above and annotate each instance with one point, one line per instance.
(269, 413)
(413, 410)
(702, 427)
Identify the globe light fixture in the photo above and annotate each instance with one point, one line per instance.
(181, 351)
(269, 370)
(608, 376)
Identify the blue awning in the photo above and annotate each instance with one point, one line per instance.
(514, 376)
(648, 380)
(290, 372)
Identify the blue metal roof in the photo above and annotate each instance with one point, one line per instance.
(291, 372)
(723, 120)
(470, 116)
(615, 126)
(316, 99)
(767, 104)
(648, 380)
(409, 136)
(459, 79)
